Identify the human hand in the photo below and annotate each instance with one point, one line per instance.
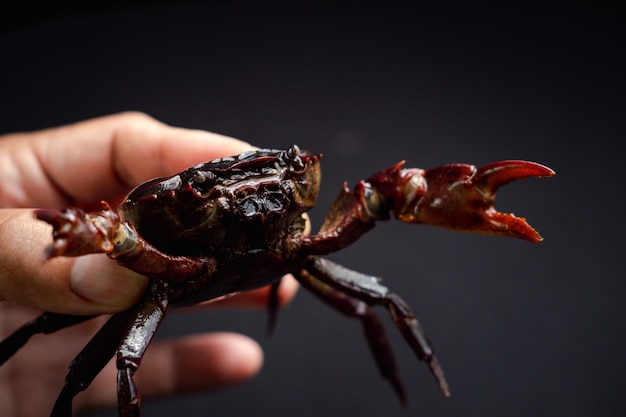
(79, 165)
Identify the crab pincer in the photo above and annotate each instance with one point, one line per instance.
(77, 233)
(459, 196)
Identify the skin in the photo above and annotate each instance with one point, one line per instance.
(80, 165)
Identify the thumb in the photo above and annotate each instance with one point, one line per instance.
(92, 284)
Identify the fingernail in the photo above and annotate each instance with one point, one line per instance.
(101, 281)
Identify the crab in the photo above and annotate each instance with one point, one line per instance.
(239, 223)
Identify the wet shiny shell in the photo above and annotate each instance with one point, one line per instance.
(243, 203)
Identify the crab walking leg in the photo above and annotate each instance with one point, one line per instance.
(369, 289)
(145, 317)
(45, 323)
(133, 346)
(272, 307)
(90, 361)
(372, 327)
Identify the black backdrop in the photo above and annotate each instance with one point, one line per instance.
(521, 329)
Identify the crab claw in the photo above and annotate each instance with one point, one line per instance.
(78, 233)
(461, 197)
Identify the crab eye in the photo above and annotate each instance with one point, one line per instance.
(306, 186)
(292, 152)
(292, 159)
(199, 177)
(246, 155)
(202, 181)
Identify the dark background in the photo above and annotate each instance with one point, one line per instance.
(521, 329)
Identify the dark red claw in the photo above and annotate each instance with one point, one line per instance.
(496, 174)
(490, 177)
(459, 196)
(52, 217)
(73, 233)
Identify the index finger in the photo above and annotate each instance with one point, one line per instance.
(104, 157)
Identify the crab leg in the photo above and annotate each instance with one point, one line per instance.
(132, 340)
(353, 213)
(353, 293)
(90, 361)
(78, 233)
(133, 347)
(45, 323)
(372, 327)
(272, 307)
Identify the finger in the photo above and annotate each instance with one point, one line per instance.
(86, 285)
(100, 158)
(166, 149)
(200, 363)
(259, 298)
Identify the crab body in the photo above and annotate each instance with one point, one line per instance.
(243, 213)
(239, 223)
